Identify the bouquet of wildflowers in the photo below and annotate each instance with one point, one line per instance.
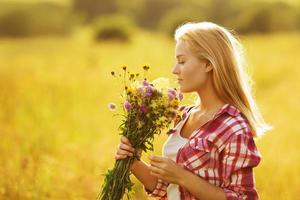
(148, 108)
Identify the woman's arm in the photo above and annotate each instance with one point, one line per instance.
(152, 185)
(166, 169)
(142, 172)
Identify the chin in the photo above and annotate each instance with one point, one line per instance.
(184, 90)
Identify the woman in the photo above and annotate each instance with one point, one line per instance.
(212, 153)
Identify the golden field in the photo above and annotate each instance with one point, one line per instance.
(58, 137)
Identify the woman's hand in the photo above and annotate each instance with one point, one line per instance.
(166, 169)
(125, 149)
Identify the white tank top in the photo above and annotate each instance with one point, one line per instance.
(170, 148)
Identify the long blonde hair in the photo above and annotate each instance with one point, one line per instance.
(230, 79)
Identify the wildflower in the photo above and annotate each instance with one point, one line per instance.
(171, 95)
(127, 105)
(172, 91)
(143, 109)
(131, 76)
(112, 106)
(145, 82)
(180, 96)
(146, 67)
(161, 83)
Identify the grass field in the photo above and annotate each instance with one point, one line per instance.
(58, 137)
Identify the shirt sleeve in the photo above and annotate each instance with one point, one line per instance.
(240, 156)
(160, 191)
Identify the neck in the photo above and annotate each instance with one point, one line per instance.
(209, 99)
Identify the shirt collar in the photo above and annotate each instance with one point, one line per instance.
(227, 108)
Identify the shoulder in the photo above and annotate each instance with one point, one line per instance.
(227, 126)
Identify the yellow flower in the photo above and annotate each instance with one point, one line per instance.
(153, 104)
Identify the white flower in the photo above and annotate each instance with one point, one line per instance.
(161, 83)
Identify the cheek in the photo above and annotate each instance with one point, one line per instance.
(194, 78)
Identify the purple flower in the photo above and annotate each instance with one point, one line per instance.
(148, 94)
(171, 95)
(149, 88)
(143, 108)
(127, 105)
(172, 91)
(180, 96)
(149, 91)
(145, 82)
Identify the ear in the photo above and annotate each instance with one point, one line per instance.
(208, 66)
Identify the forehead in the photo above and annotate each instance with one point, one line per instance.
(181, 48)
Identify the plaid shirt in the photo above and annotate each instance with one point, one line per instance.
(222, 152)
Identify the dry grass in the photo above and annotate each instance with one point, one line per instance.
(58, 137)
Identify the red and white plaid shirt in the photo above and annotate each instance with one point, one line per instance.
(223, 153)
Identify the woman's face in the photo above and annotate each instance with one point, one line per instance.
(192, 73)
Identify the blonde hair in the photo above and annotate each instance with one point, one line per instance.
(230, 80)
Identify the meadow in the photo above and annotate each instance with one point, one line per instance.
(58, 136)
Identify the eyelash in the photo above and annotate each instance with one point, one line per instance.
(181, 63)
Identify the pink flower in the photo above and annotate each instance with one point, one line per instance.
(172, 91)
(145, 82)
(143, 109)
(127, 105)
(171, 95)
(149, 88)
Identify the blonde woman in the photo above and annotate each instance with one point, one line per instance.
(212, 153)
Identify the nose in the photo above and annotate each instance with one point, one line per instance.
(175, 69)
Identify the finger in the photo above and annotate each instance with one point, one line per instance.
(118, 157)
(156, 158)
(157, 164)
(125, 140)
(124, 152)
(126, 147)
(156, 170)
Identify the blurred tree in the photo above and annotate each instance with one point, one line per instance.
(92, 8)
(113, 27)
(24, 19)
(266, 17)
(149, 15)
(179, 15)
(219, 11)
